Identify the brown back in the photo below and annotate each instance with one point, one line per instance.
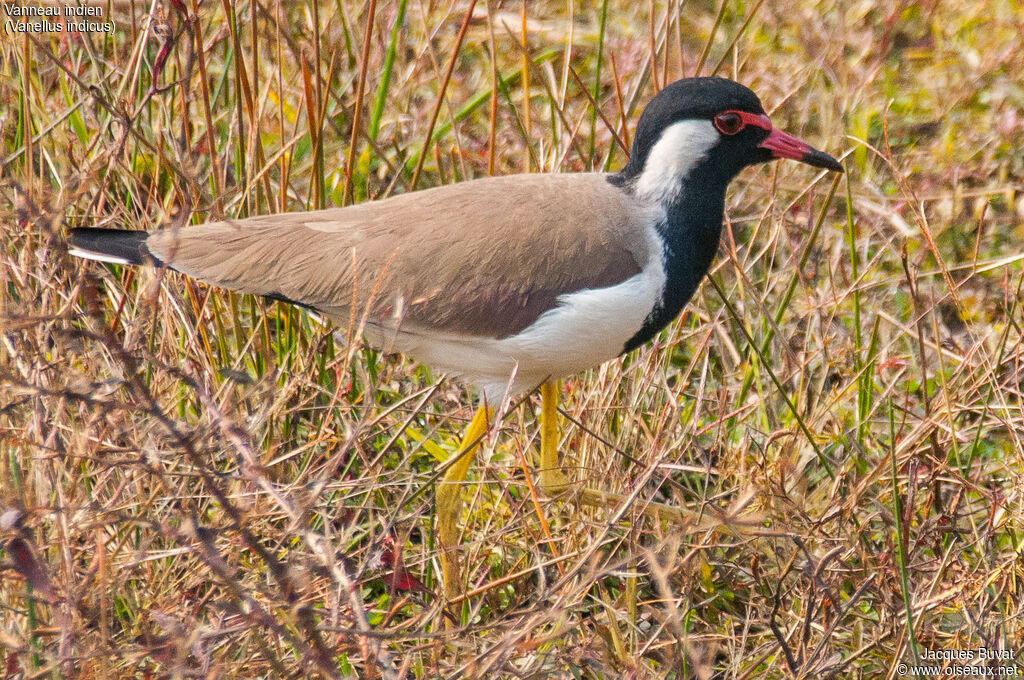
(482, 258)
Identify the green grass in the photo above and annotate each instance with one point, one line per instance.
(198, 483)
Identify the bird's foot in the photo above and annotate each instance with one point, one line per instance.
(737, 519)
(553, 482)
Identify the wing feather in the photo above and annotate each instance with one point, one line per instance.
(482, 258)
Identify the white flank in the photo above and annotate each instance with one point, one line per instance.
(98, 257)
(586, 329)
(680, 148)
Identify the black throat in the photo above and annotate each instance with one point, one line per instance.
(690, 233)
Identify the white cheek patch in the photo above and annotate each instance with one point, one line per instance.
(680, 148)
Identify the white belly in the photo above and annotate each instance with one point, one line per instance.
(584, 330)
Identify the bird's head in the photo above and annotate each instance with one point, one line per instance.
(710, 127)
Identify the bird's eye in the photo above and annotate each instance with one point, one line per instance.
(729, 123)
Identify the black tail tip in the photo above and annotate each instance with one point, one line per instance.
(111, 245)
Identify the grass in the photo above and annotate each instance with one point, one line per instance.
(198, 484)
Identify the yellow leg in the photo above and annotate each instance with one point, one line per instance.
(552, 480)
(449, 500)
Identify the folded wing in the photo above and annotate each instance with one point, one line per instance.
(483, 258)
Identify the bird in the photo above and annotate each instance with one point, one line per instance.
(508, 282)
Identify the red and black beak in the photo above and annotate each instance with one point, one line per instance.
(783, 145)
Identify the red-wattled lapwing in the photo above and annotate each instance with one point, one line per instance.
(507, 281)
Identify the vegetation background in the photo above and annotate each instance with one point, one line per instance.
(198, 484)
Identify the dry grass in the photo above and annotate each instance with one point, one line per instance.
(196, 484)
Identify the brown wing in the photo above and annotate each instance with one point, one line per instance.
(483, 258)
